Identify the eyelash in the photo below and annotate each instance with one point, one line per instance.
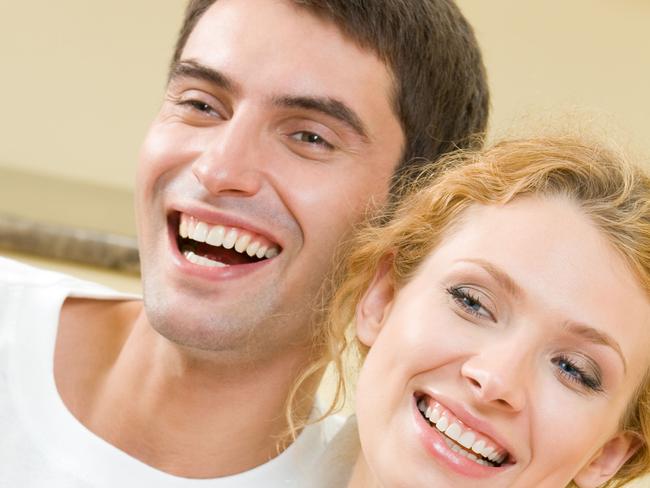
(462, 296)
(321, 140)
(205, 108)
(197, 105)
(581, 377)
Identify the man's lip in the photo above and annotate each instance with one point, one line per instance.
(214, 217)
(471, 420)
(210, 273)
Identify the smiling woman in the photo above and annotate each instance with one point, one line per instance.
(502, 313)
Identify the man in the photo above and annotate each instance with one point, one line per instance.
(281, 122)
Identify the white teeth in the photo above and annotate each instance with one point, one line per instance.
(478, 447)
(456, 448)
(271, 253)
(200, 232)
(190, 228)
(422, 405)
(261, 252)
(435, 414)
(242, 243)
(229, 240)
(467, 439)
(216, 235)
(200, 260)
(453, 432)
(251, 250)
(182, 230)
(456, 435)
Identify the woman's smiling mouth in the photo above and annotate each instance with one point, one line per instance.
(459, 438)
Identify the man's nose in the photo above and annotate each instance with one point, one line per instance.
(498, 375)
(231, 162)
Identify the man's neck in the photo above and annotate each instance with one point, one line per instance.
(191, 415)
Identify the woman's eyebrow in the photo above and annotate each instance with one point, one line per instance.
(500, 276)
(585, 331)
(595, 336)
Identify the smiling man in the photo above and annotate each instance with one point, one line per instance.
(283, 123)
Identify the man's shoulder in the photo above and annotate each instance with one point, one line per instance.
(17, 273)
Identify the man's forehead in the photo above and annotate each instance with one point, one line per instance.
(291, 27)
(291, 55)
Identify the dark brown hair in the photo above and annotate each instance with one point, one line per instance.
(441, 95)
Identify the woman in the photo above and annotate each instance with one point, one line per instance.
(502, 314)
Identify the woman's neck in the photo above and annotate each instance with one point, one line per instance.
(362, 476)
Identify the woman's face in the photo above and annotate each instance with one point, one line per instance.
(522, 336)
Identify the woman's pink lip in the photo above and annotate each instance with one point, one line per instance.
(435, 444)
(470, 420)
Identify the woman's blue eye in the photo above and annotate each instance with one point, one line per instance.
(470, 303)
(576, 374)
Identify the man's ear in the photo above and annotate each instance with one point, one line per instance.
(608, 460)
(375, 304)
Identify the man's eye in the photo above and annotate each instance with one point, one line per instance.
(199, 106)
(311, 138)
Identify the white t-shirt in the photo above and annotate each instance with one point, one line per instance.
(43, 445)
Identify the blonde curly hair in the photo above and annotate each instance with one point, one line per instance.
(610, 190)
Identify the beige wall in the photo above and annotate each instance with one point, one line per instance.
(545, 55)
(81, 79)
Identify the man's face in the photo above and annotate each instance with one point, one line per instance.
(275, 133)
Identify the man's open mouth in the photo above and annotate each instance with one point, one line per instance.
(460, 438)
(213, 245)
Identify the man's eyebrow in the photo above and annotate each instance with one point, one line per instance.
(193, 69)
(595, 336)
(500, 276)
(328, 106)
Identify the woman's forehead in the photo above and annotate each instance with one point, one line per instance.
(550, 252)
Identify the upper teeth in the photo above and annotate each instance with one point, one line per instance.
(227, 237)
(446, 423)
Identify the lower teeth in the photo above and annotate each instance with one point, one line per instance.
(457, 449)
(201, 261)
(462, 451)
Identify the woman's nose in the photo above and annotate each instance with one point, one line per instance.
(498, 376)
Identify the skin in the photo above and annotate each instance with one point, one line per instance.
(423, 339)
(201, 347)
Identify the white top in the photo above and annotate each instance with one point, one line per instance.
(43, 444)
(335, 465)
